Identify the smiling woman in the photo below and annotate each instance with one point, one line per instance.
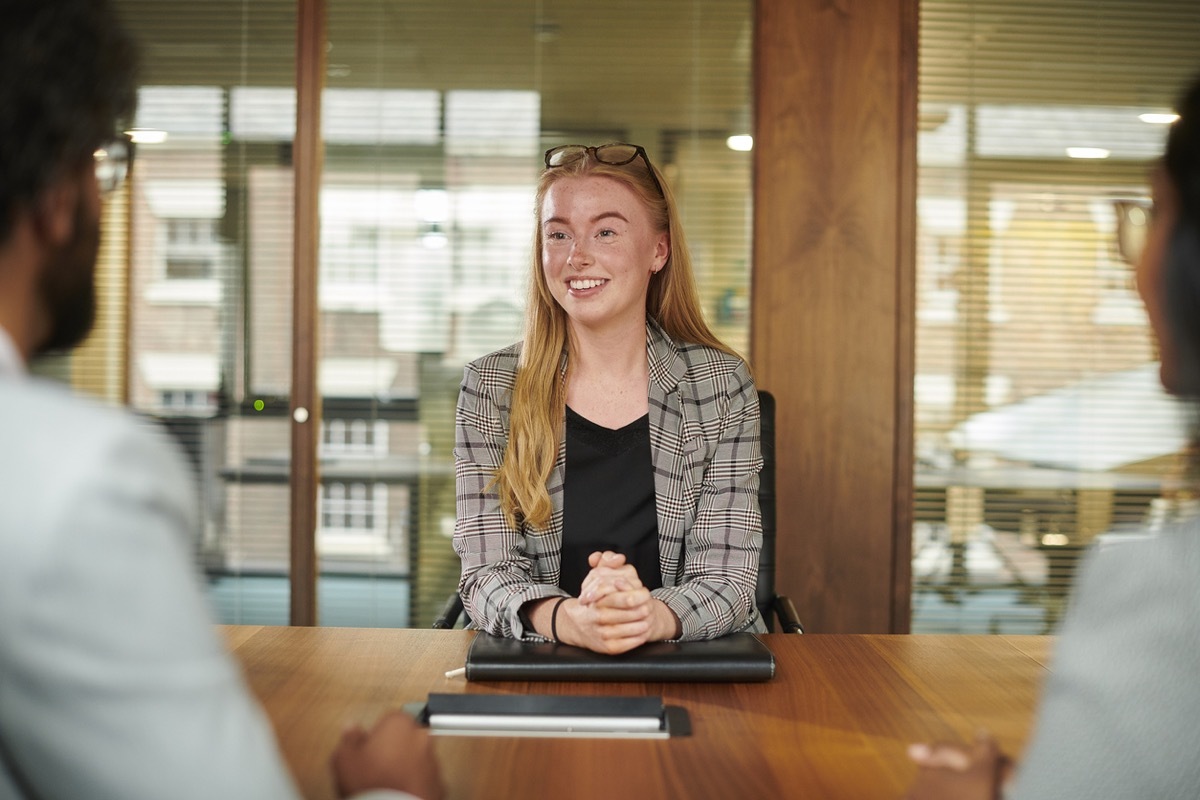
(607, 466)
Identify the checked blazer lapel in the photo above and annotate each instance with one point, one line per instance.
(671, 432)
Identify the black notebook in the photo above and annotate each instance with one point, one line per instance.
(553, 715)
(737, 658)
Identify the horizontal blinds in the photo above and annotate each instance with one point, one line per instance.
(1040, 423)
(435, 124)
(208, 265)
(434, 120)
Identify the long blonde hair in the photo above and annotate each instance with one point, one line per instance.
(540, 394)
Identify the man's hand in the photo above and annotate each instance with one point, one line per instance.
(956, 772)
(394, 754)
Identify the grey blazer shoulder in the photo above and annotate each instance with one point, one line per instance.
(113, 683)
(705, 450)
(1119, 710)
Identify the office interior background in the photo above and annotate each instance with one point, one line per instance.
(1038, 424)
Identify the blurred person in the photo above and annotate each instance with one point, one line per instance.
(113, 681)
(607, 466)
(1120, 707)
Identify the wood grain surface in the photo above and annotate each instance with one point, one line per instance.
(833, 723)
(832, 299)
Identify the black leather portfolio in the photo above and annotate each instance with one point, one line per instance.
(737, 658)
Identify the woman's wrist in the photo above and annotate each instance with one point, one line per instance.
(664, 624)
(544, 619)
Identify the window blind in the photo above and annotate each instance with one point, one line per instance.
(1041, 428)
(435, 116)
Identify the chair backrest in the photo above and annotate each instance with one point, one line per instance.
(765, 590)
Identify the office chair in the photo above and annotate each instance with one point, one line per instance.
(771, 606)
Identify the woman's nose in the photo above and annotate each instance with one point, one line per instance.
(579, 257)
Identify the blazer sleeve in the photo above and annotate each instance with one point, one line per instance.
(113, 682)
(497, 571)
(721, 550)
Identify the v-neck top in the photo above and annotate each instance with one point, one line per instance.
(608, 499)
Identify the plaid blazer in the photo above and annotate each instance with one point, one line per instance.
(704, 441)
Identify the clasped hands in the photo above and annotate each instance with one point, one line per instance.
(614, 612)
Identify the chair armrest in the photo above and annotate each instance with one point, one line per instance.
(785, 610)
(450, 613)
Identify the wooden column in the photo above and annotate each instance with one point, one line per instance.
(832, 299)
(306, 398)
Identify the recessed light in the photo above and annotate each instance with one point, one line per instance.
(1158, 119)
(742, 142)
(1087, 152)
(146, 136)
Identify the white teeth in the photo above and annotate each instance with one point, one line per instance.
(586, 284)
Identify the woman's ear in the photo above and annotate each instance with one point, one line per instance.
(662, 253)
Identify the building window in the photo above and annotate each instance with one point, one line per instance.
(355, 437)
(187, 400)
(354, 520)
(351, 254)
(193, 248)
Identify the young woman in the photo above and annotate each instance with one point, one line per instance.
(1118, 716)
(607, 466)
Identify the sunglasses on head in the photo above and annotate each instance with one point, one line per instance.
(617, 154)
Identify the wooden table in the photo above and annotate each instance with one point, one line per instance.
(833, 723)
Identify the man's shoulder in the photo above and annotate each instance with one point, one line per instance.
(54, 415)
(56, 439)
(64, 457)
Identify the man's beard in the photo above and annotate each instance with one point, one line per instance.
(67, 288)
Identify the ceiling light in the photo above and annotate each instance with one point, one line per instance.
(742, 142)
(146, 136)
(1158, 119)
(1087, 152)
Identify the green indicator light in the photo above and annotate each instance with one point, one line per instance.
(259, 405)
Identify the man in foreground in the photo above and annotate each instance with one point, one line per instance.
(113, 683)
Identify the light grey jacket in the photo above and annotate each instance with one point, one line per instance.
(1121, 708)
(113, 682)
(704, 440)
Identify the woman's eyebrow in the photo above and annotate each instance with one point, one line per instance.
(608, 214)
(594, 220)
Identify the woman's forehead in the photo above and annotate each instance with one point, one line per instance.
(588, 190)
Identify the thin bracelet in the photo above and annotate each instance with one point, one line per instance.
(554, 618)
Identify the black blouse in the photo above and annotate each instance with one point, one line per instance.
(608, 500)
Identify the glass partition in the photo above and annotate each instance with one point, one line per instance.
(1041, 428)
(435, 116)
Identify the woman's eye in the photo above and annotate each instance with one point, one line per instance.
(607, 233)
(556, 236)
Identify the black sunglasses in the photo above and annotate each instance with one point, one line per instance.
(617, 154)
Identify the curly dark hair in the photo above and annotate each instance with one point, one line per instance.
(67, 81)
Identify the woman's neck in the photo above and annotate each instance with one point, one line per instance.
(609, 377)
(609, 353)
